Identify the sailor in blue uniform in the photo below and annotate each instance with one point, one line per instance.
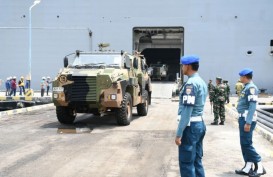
(191, 128)
(247, 122)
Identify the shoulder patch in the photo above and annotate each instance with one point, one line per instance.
(252, 95)
(188, 95)
(252, 90)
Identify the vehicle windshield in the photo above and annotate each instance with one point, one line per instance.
(97, 60)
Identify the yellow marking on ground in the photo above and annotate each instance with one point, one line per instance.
(3, 98)
(16, 98)
(28, 98)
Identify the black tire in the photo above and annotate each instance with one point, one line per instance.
(65, 115)
(124, 114)
(142, 108)
(96, 113)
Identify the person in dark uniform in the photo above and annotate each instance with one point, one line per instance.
(191, 128)
(247, 122)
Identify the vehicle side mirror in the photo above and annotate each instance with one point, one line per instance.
(146, 67)
(128, 62)
(65, 62)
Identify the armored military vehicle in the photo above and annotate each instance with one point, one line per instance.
(102, 82)
(159, 71)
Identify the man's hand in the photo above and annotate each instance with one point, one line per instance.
(178, 141)
(247, 127)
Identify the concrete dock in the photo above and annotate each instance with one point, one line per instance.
(34, 143)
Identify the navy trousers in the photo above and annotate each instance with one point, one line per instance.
(248, 151)
(191, 150)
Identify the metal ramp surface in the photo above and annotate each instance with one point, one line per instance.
(162, 89)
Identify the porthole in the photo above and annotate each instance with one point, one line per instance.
(249, 52)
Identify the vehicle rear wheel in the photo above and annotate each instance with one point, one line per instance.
(124, 114)
(142, 108)
(65, 115)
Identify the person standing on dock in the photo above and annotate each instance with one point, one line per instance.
(43, 85)
(210, 87)
(225, 82)
(247, 122)
(239, 87)
(191, 129)
(13, 86)
(218, 98)
(48, 82)
(21, 85)
(7, 83)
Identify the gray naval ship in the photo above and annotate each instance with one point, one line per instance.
(227, 35)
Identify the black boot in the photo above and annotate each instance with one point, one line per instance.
(243, 172)
(214, 123)
(222, 123)
(255, 172)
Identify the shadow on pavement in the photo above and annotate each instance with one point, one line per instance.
(85, 123)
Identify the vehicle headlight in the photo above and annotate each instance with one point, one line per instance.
(55, 95)
(112, 97)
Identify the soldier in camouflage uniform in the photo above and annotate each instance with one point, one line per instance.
(210, 86)
(228, 89)
(239, 87)
(218, 99)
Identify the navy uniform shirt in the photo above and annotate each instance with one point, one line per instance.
(247, 101)
(192, 99)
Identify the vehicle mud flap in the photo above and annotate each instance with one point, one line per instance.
(142, 108)
(150, 98)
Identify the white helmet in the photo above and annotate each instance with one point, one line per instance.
(48, 77)
(43, 78)
(14, 77)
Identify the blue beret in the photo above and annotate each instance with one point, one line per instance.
(245, 72)
(189, 59)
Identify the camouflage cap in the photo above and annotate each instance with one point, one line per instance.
(219, 78)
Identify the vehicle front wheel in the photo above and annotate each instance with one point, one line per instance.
(124, 114)
(65, 115)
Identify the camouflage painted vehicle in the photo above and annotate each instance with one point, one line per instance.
(159, 71)
(102, 82)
